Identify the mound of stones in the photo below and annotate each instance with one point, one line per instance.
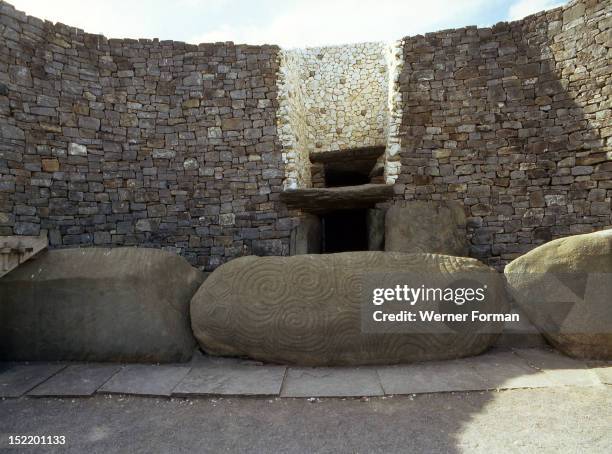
(308, 309)
(565, 288)
(98, 304)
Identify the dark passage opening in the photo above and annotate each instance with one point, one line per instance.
(347, 167)
(336, 176)
(344, 230)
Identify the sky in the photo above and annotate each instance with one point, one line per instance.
(288, 23)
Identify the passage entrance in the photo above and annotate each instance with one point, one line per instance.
(344, 230)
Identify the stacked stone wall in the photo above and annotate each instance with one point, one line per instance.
(107, 142)
(515, 122)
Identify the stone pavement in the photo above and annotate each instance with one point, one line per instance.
(207, 376)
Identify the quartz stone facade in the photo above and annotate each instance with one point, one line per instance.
(332, 98)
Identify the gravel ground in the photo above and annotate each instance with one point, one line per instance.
(571, 419)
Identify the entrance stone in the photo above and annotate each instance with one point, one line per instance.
(306, 310)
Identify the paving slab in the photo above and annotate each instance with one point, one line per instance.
(604, 374)
(506, 370)
(76, 380)
(145, 380)
(18, 379)
(331, 382)
(520, 334)
(231, 377)
(561, 369)
(443, 376)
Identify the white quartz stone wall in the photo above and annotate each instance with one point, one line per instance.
(292, 126)
(395, 63)
(335, 98)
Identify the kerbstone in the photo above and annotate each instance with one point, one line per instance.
(98, 304)
(306, 310)
(564, 287)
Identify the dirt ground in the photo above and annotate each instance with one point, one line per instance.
(569, 419)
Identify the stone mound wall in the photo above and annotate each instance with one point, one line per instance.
(139, 142)
(165, 144)
(515, 122)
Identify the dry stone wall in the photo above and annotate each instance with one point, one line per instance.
(187, 147)
(139, 142)
(515, 122)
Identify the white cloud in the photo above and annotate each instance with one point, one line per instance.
(290, 23)
(120, 18)
(524, 8)
(324, 22)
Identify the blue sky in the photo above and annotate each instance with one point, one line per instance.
(289, 23)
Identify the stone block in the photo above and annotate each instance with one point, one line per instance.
(564, 287)
(124, 304)
(306, 310)
(435, 227)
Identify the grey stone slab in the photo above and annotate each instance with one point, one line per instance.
(560, 369)
(604, 374)
(520, 334)
(506, 370)
(76, 380)
(497, 370)
(146, 380)
(331, 382)
(202, 360)
(18, 379)
(227, 376)
(446, 376)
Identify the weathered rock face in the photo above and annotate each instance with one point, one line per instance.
(306, 310)
(125, 304)
(434, 227)
(565, 288)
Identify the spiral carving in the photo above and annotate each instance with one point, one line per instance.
(307, 310)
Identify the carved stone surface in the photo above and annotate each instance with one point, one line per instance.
(306, 310)
(434, 227)
(320, 200)
(565, 288)
(98, 304)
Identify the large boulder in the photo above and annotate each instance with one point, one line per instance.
(437, 227)
(309, 309)
(98, 304)
(565, 288)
